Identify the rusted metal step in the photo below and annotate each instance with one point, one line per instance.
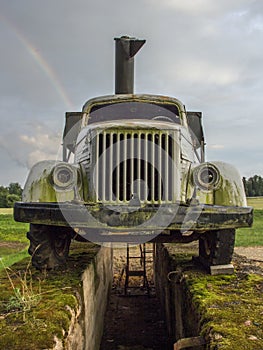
(141, 271)
(136, 273)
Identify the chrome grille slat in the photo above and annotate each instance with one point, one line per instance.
(166, 169)
(103, 184)
(111, 167)
(118, 168)
(139, 163)
(152, 181)
(132, 164)
(133, 161)
(124, 182)
(145, 166)
(160, 165)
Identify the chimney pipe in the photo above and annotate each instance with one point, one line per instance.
(126, 49)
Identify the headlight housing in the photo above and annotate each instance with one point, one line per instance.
(206, 177)
(64, 177)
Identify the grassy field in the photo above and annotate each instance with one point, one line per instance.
(13, 241)
(255, 202)
(253, 236)
(14, 244)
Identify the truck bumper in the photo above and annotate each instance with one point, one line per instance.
(199, 218)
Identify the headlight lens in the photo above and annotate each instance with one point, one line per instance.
(64, 176)
(206, 177)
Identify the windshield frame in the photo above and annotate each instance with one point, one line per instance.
(130, 109)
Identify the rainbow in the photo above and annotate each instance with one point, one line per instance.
(41, 62)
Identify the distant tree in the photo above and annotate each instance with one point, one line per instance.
(11, 199)
(10, 194)
(3, 194)
(15, 188)
(253, 186)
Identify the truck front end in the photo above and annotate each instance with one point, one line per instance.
(138, 175)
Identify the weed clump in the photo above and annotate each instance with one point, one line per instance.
(23, 297)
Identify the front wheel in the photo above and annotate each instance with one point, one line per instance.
(49, 246)
(217, 247)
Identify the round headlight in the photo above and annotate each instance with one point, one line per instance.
(206, 177)
(64, 176)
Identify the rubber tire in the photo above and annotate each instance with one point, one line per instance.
(217, 247)
(49, 246)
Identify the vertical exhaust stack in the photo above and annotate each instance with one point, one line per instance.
(126, 49)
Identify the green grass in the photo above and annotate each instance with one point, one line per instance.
(13, 241)
(255, 202)
(10, 259)
(252, 236)
(12, 231)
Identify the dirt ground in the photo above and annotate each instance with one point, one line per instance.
(135, 322)
(12, 245)
(255, 253)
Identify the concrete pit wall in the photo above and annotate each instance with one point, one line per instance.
(224, 311)
(96, 284)
(69, 312)
(181, 319)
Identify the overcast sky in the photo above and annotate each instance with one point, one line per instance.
(56, 54)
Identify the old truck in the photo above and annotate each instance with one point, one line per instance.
(133, 171)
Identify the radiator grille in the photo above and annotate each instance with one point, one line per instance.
(135, 166)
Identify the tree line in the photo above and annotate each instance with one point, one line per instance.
(253, 186)
(10, 194)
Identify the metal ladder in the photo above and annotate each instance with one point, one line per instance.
(144, 259)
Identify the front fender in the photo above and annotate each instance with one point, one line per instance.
(229, 192)
(39, 187)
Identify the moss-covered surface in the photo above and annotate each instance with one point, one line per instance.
(50, 297)
(229, 307)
